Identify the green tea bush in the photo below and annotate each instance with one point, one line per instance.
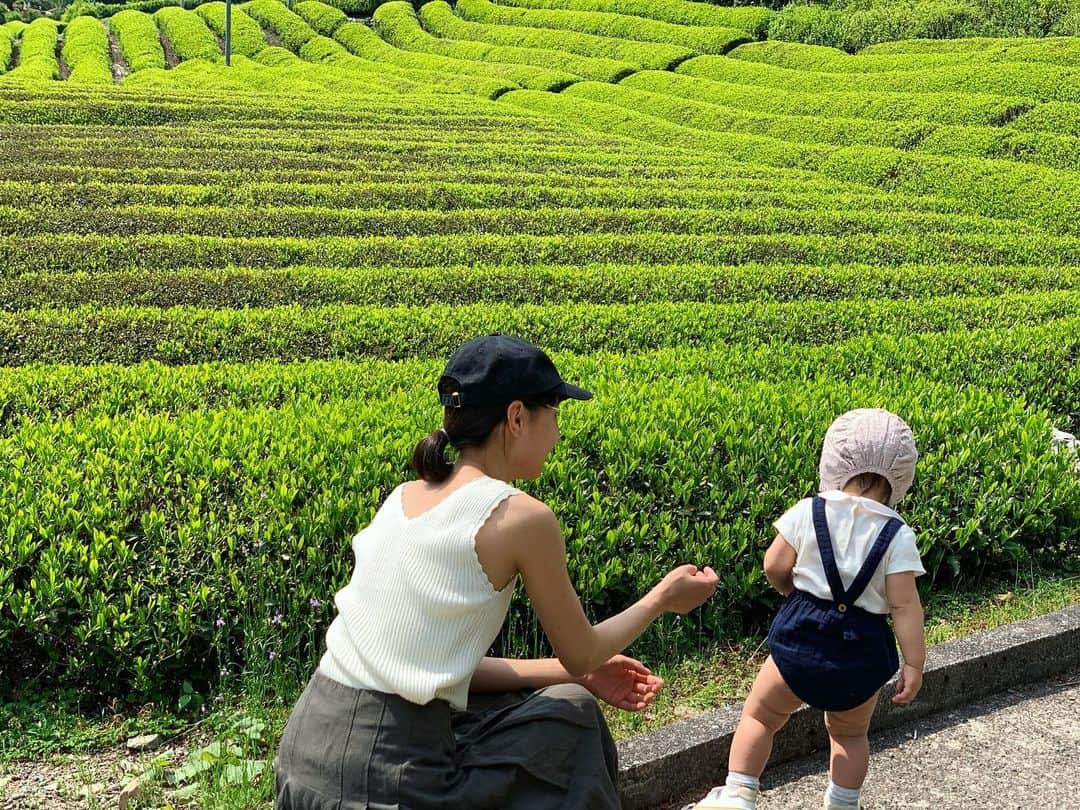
(189, 335)
(323, 18)
(994, 188)
(714, 118)
(1039, 81)
(7, 45)
(1064, 52)
(93, 253)
(291, 27)
(86, 51)
(37, 54)
(145, 549)
(439, 19)
(1055, 116)
(362, 41)
(312, 223)
(656, 130)
(998, 143)
(752, 19)
(852, 29)
(1035, 364)
(325, 68)
(237, 287)
(140, 42)
(948, 108)
(247, 36)
(320, 49)
(424, 194)
(1031, 18)
(187, 32)
(102, 11)
(700, 39)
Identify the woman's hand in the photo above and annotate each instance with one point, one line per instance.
(624, 683)
(686, 588)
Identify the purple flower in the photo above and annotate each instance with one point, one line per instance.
(315, 603)
(272, 655)
(219, 622)
(258, 544)
(277, 619)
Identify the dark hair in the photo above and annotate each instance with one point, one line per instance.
(463, 427)
(868, 481)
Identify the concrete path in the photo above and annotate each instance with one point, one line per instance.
(1016, 750)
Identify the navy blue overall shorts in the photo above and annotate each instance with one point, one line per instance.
(833, 655)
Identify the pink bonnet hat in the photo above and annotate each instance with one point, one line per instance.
(869, 440)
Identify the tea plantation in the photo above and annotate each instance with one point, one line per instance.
(226, 293)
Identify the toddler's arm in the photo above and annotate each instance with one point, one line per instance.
(907, 616)
(779, 562)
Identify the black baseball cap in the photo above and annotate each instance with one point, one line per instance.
(497, 369)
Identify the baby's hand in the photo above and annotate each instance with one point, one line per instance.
(907, 685)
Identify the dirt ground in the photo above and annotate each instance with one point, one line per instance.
(1015, 750)
(1018, 749)
(84, 781)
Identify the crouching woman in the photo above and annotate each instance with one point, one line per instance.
(405, 710)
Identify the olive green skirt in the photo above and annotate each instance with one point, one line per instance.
(356, 749)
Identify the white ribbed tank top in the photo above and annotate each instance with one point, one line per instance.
(419, 613)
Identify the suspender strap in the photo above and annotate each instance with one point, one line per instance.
(824, 542)
(846, 597)
(873, 559)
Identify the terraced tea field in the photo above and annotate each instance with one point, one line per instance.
(227, 291)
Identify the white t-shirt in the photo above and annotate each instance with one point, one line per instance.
(854, 524)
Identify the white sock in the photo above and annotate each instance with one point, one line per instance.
(841, 796)
(737, 780)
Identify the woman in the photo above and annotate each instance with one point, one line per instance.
(387, 721)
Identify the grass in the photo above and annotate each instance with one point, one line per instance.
(231, 737)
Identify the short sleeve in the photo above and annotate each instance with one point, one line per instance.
(792, 525)
(903, 554)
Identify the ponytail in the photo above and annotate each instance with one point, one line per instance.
(470, 426)
(429, 457)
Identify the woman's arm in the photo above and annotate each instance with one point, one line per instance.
(513, 674)
(779, 563)
(540, 557)
(623, 682)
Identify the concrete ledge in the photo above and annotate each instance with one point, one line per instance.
(661, 765)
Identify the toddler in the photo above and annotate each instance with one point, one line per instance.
(844, 560)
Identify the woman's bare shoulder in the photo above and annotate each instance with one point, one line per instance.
(521, 514)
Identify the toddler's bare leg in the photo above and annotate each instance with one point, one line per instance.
(850, 746)
(765, 712)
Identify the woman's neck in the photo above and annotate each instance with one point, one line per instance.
(476, 461)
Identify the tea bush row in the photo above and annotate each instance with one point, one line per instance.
(187, 32)
(698, 38)
(752, 19)
(142, 549)
(86, 52)
(439, 19)
(398, 24)
(129, 335)
(362, 41)
(140, 42)
(93, 253)
(248, 38)
(237, 287)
